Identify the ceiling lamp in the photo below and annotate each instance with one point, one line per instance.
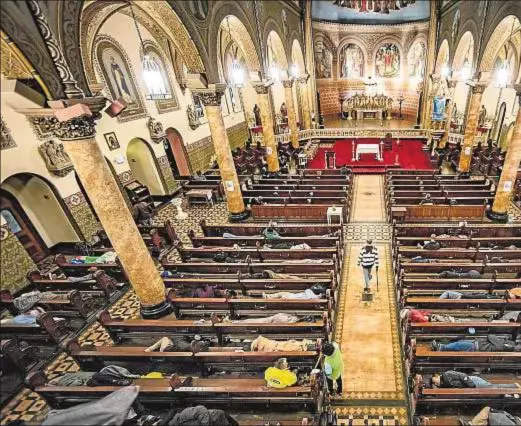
(237, 76)
(154, 82)
(274, 68)
(294, 71)
(445, 71)
(503, 72)
(466, 71)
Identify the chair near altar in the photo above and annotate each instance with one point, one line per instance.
(360, 107)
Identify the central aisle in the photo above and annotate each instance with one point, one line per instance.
(368, 332)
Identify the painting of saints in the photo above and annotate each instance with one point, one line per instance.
(417, 61)
(121, 87)
(388, 61)
(323, 61)
(352, 62)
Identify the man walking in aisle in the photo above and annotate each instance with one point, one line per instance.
(368, 258)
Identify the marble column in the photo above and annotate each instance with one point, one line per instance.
(309, 50)
(292, 116)
(451, 85)
(268, 134)
(505, 187)
(470, 127)
(77, 135)
(306, 113)
(211, 99)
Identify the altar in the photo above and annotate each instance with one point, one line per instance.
(367, 148)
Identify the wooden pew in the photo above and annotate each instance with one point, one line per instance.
(416, 213)
(460, 304)
(460, 242)
(295, 212)
(459, 330)
(475, 254)
(93, 358)
(429, 282)
(482, 267)
(295, 194)
(45, 331)
(284, 229)
(71, 303)
(72, 269)
(252, 241)
(125, 330)
(474, 229)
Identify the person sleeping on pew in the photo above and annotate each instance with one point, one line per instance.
(271, 234)
(452, 379)
(453, 274)
(490, 343)
(263, 344)
(419, 316)
(427, 200)
(206, 291)
(431, 244)
(280, 318)
(492, 417)
(456, 295)
(315, 292)
(279, 376)
(182, 344)
(268, 273)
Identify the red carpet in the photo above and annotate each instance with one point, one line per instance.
(410, 155)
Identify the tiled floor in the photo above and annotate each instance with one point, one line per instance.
(368, 199)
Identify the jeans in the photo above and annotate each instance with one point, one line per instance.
(482, 383)
(146, 222)
(367, 276)
(338, 385)
(450, 295)
(459, 346)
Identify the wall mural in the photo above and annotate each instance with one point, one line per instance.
(376, 6)
(351, 61)
(116, 70)
(416, 60)
(323, 60)
(168, 104)
(387, 60)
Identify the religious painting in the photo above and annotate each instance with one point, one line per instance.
(416, 61)
(155, 55)
(116, 71)
(323, 60)
(455, 25)
(387, 61)
(112, 140)
(351, 61)
(438, 108)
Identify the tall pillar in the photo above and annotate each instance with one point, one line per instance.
(306, 113)
(443, 141)
(211, 99)
(292, 116)
(310, 59)
(77, 135)
(505, 187)
(470, 127)
(429, 66)
(268, 134)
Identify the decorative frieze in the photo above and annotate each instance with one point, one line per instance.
(56, 159)
(7, 140)
(82, 127)
(155, 128)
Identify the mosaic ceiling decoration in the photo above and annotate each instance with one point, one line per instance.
(371, 11)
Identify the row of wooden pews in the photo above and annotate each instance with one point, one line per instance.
(224, 338)
(306, 196)
(451, 197)
(455, 284)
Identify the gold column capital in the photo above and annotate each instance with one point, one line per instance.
(303, 79)
(212, 94)
(478, 87)
(288, 83)
(262, 87)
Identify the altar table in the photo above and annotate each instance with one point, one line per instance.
(368, 148)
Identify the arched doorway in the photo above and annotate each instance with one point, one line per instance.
(498, 122)
(143, 164)
(176, 152)
(505, 137)
(36, 216)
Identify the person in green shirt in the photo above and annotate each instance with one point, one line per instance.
(333, 366)
(271, 234)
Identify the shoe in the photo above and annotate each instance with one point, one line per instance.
(435, 346)
(370, 277)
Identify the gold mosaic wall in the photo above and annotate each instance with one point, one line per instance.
(200, 152)
(16, 262)
(83, 215)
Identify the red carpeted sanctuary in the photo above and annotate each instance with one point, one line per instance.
(410, 155)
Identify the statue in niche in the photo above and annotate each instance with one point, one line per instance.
(193, 120)
(256, 113)
(55, 157)
(284, 110)
(482, 116)
(155, 128)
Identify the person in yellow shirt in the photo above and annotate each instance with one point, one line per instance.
(279, 376)
(333, 366)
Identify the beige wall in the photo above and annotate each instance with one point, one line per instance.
(143, 166)
(42, 207)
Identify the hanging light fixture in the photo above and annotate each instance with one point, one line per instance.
(154, 82)
(294, 71)
(274, 68)
(503, 72)
(466, 70)
(236, 71)
(445, 71)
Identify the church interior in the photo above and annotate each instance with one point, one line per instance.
(253, 212)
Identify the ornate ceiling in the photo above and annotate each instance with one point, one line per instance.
(371, 11)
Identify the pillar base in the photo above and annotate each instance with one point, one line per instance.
(239, 217)
(156, 311)
(497, 217)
